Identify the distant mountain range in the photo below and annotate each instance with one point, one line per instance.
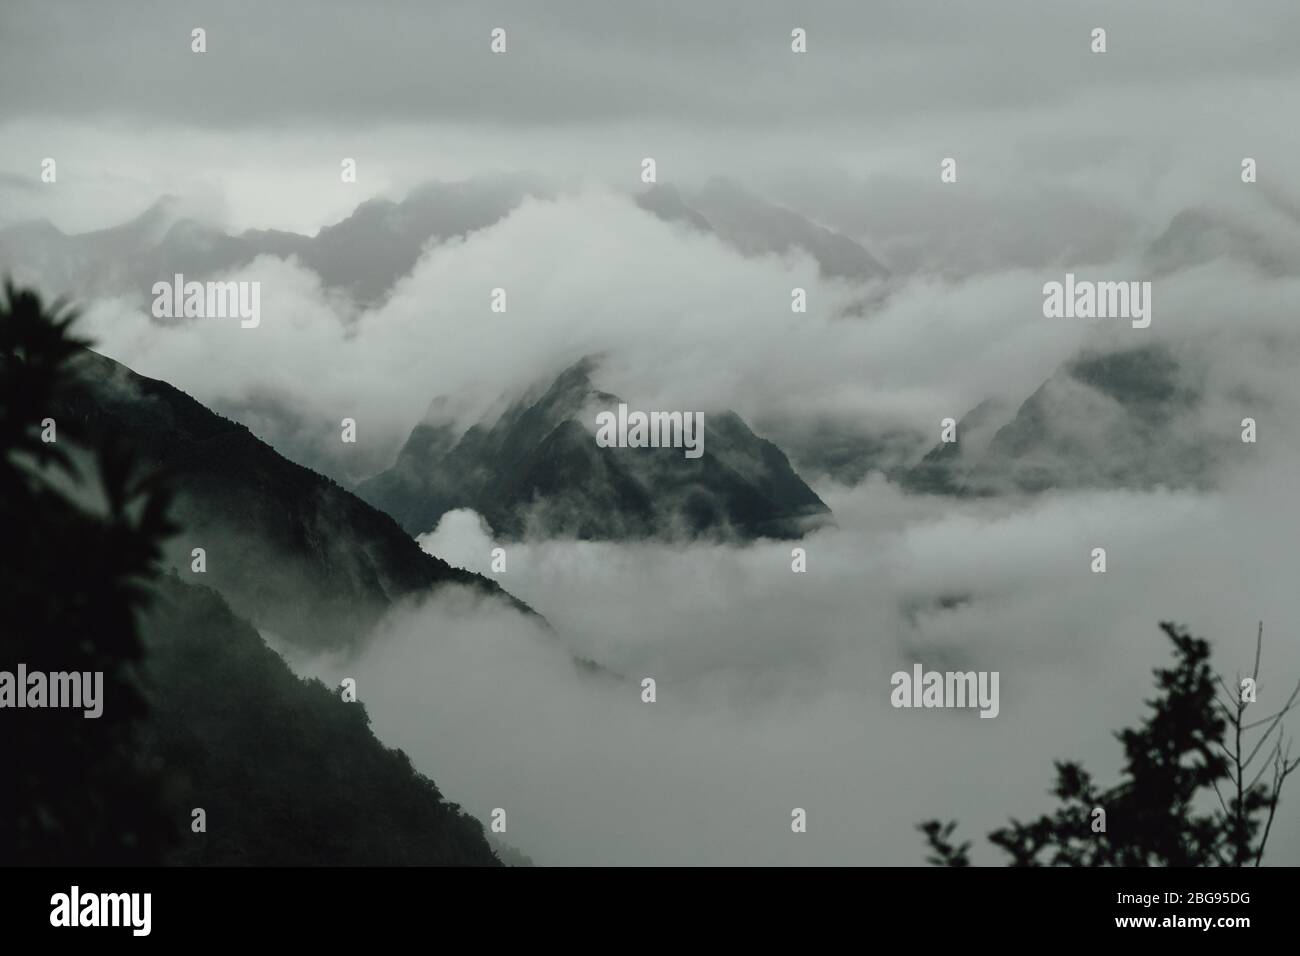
(366, 254)
(363, 255)
(289, 549)
(1106, 419)
(570, 487)
(756, 227)
(1268, 241)
(536, 469)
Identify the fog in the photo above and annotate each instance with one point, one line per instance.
(684, 321)
(773, 687)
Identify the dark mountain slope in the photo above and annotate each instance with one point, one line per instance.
(291, 550)
(188, 707)
(287, 772)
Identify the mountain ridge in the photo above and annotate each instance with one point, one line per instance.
(291, 549)
(1137, 405)
(537, 470)
(753, 226)
(364, 254)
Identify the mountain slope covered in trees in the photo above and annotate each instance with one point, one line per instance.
(291, 550)
(286, 771)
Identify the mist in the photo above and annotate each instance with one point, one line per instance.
(773, 687)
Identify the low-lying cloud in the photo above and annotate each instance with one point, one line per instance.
(683, 320)
(773, 687)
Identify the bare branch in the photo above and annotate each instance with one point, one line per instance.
(1278, 777)
(1226, 812)
(1259, 646)
(1277, 753)
(1231, 715)
(1234, 698)
(1276, 720)
(1289, 704)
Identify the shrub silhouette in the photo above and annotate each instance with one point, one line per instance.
(82, 535)
(1191, 745)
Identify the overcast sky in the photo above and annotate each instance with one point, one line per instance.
(296, 62)
(257, 125)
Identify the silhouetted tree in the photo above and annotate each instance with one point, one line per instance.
(1191, 744)
(944, 852)
(81, 530)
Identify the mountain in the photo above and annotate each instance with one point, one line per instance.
(381, 241)
(1197, 236)
(665, 201)
(756, 227)
(944, 468)
(291, 550)
(286, 772)
(1127, 418)
(536, 470)
(363, 255)
(844, 448)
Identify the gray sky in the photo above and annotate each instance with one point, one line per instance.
(298, 62)
(256, 126)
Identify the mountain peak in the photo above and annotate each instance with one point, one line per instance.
(757, 227)
(537, 471)
(32, 229)
(665, 201)
(719, 185)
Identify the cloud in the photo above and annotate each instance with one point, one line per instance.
(853, 130)
(773, 687)
(684, 321)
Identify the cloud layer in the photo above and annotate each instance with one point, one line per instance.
(773, 687)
